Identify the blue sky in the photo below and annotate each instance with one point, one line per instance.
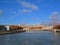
(27, 11)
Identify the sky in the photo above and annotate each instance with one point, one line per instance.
(27, 11)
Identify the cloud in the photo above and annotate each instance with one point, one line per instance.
(54, 15)
(14, 12)
(28, 5)
(25, 11)
(11, 18)
(1, 12)
(20, 11)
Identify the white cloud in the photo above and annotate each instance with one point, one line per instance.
(20, 11)
(11, 18)
(14, 12)
(28, 5)
(55, 13)
(55, 17)
(1, 12)
(25, 11)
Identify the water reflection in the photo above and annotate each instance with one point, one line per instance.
(31, 38)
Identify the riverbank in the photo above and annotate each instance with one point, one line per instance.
(11, 32)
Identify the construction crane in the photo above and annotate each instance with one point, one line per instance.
(55, 18)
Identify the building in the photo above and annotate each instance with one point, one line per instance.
(3, 28)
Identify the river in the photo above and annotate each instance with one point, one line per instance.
(31, 38)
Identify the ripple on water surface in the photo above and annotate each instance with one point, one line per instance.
(31, 38)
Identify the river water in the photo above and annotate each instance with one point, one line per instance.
(31, 38)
